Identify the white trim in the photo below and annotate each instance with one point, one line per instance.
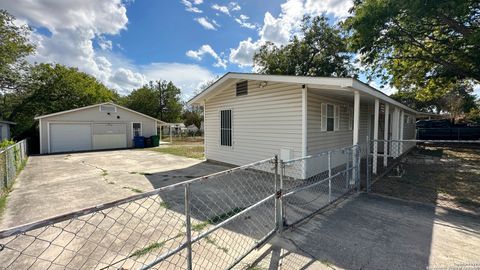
(141, 129)
(356, 117)
(48, 136)
(92, 106)
(40, 137)
(304, 121)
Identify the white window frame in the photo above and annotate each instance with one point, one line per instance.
(141, 129)
(220, 127)
(324, 117)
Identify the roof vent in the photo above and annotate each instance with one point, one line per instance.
(242, 88)
(108, 108)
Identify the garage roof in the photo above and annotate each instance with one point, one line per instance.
(7, 122)
(96, 105)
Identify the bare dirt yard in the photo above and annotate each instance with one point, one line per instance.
(446, 176)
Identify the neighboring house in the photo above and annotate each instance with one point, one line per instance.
(192, 128)
(5, 129)
(96, 127)
(249, 117)
(178, 128)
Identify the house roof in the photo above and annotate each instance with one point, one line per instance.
(312, 81)
(7, 122)
(99, 104)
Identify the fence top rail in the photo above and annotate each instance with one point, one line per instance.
(11, 146)
(88, 210)
(322, 154)
(430, 141)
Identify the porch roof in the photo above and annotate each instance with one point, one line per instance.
(330, 83)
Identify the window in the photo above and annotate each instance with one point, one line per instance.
(226, 127)
(108, 108)
(137, 129)
(330, 119)
(242, 88)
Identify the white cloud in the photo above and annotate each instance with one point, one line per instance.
(338, 8)
(242, 20)
(186, 76)
(76, 25)
(107, 17)
(104, 44)
(190, 7)
(203, 21)
(223, 9)
(280, 29)
(243, 54)
(387, 89)
(207, 49)
(234, 6)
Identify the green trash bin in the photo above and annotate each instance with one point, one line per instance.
(155, 140)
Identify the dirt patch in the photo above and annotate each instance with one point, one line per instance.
(445, 176)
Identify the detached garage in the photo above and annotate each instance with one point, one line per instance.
(96, 127)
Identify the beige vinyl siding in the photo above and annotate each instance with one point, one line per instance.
(93, 115)
(264, 121)
(320, 141)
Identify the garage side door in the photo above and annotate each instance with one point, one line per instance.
(70, 137)
(109, 136)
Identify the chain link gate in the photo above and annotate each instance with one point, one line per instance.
(211, 222)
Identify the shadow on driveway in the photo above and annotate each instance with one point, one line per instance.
(376, 232)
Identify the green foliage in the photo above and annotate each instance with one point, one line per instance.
(5, 143)
(14, 47)
(320, 51)
(193, 116)
(54, 88)
(418, 44)
(160, 99)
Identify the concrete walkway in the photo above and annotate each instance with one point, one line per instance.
(375, 232)
(51, 185)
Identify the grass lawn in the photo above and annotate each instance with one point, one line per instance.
(189, 151)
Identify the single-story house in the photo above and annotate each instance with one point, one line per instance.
(250, 117)
(192, 128)
(96, 127)
(5, 129)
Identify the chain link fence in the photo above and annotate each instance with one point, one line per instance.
(388, 156)
(211, 222)
(315, 181)
(12, 159)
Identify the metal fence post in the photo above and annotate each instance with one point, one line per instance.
(279, 199)
(188, 226)
(329, 176)
(367, 166)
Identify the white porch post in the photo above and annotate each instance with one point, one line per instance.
(385, 135)
(356, 117)
(204, 128)
(375, 135)
(400, 137)
(356, 128)
(395, 131)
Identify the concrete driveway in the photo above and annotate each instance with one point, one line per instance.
(368, 231)
(54, 184)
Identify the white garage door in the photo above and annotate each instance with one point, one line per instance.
(109, 136)
(70, 137)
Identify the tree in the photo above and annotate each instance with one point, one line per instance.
(54, 88)
(418, 44)
(160, 99)
(320, 50)
(14, 47)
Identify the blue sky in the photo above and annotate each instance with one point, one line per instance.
(125, 44)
